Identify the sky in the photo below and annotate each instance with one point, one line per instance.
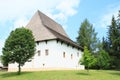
(69, 13)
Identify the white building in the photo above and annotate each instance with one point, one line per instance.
(54, 49)
(1, 64)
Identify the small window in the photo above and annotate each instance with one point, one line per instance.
(38, 53)
(63, 54)
(37, 42)
(78, 54)
(43, 64)
(71, 56)
(46, 52)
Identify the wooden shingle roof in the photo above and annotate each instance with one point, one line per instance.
(44, 28)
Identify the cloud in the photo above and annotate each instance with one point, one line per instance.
(17, 13)
(64, 10)
(1, 46)
(11, 9)
(21, 22)
(59, 10)
(67, 8)
(106, 18)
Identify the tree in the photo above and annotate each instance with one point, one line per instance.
(114, 42)
(4, 60)
(87, 59)
(105, 45)
(103, 59)
(19, 47)
(87, 36)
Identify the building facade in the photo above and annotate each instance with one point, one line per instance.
(54, 49)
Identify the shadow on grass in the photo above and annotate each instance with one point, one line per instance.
(12, 74)
(116, 73)
(83, 73)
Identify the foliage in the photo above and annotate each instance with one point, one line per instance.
(19, 47)
(87, 36)
(87, 59)
(105, 45)
(113, 42)
(4, 60)
(103, 59)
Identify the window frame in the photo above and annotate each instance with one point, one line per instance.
(46, 52)
(39, 53)
(64, 54)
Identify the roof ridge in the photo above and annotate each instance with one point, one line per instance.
(68, 39)
(51, 23)
(45, 28)
(48, 17)
(39, 14)
(57, 32)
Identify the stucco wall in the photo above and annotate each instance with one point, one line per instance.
(54, 59)
(1, 64)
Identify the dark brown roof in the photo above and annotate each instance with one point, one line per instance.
(44, 28)
(64, 39)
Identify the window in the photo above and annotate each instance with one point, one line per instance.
(38, 53)
(46, 52)
(71, 56)
(63, 54)
(46, 41)
(37, 42)
(78, 54)
(43, 64)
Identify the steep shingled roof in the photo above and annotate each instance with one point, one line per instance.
(44, 28)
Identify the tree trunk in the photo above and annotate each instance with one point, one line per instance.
(88, 69)
(19, 69)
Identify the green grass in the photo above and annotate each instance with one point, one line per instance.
(62, 75)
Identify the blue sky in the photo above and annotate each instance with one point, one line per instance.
(69, 13)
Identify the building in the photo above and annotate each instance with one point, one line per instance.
(1, 64)
(54, 49)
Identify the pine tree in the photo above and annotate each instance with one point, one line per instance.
(105, 45)
(114, 41)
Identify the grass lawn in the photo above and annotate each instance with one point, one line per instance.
(62, 75)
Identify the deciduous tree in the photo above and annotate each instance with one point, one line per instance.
(87, 59)
(87, 36)
(103, 59)
(19, 47)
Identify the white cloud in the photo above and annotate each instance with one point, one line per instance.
(67, 7)
(12, 9)
(63, 10)
(58, 10)
(1, 46)
(106, 18)
(21, 22)
(20, 11)
(15, 8)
